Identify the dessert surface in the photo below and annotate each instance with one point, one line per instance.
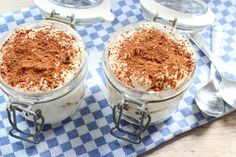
(149, 60)
(39, 59)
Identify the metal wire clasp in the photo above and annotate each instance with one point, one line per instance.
(53, 16)
(157, 17)
(140, 111)
(25, 108)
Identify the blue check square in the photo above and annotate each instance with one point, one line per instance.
(86, 137)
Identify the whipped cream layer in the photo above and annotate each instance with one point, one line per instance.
(149, 59)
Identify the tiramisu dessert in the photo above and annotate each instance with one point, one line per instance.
(39, 59)
(43, 66)
(148, 59)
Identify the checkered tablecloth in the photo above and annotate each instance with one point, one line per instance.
(86, 133)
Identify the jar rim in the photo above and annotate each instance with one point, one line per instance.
(119, 85)
(46, 95)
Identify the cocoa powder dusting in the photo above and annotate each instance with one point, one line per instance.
(38, 59)
(151, 57)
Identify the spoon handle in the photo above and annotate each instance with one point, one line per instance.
(200, 42)
(216, 39)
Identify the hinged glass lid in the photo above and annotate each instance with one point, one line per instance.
(77, 3)
(194, 7)
(83, 11)
(192, 15)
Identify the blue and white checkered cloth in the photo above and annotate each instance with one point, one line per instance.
(86, 133)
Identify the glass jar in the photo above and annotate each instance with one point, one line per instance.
(139, 107)
(45, 107)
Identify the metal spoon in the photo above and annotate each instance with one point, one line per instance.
(207, 97)
(227, 87)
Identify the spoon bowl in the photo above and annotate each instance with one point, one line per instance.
(227, 90)
(209, 101)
